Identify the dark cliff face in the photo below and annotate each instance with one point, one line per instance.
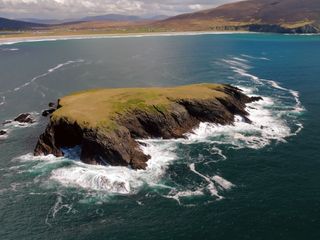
(119, 146)
(273, 28)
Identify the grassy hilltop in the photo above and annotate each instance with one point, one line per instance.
(98, 108)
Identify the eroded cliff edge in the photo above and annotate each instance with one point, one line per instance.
(106, 123)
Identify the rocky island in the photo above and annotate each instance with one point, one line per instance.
(108, 123)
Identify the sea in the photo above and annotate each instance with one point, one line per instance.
(258, 181)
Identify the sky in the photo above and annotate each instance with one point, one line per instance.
(66, 9)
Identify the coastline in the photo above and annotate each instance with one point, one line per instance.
(9, 40)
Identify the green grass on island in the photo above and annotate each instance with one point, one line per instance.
(97, 108)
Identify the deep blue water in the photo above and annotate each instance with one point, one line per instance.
(258, 181)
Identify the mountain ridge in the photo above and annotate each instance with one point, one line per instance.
(9, 24)
(254, 15)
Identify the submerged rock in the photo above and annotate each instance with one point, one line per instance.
(47, 112)
(52, 105)
(107, 122)
(256, 99)
(24, 118)
(7, 122)
(2, 132)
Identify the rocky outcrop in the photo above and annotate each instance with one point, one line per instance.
(24, 118)
(275, 28)
(119, 146)
(2, 132)
(50, 110)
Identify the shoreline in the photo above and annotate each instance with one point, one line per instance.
(14, 40)
(9, 40)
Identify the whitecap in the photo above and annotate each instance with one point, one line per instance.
(225, 184)
(51, 70)
(244, 73)
(298, 107)
(3, 102)
(256, 58)
(236, 63)
(241, 59)
(10, 49)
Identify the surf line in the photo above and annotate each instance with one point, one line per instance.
(242, 69)
(51, 70)
(253, 57)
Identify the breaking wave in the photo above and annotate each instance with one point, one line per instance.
(51, 70)
(3, 101)
(10, 49)
(4, 94)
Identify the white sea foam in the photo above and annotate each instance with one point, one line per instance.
(219, 152)
(244, 73)
(295, 94)
(14, 124)
(178, 195)
(56, 208)
(119, 180)
(225, 184)
(256, 58)
(10, 49)
(3, 101)
(211, 187)
(265, 127)
(240, 59)
(236, 63)
(258, 83)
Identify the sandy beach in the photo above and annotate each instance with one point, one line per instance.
(7, 40)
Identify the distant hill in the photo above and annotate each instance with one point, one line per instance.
(111, 17)
(121, 18)
(8, 24)
(44, 21)
(255, 15)
(107, 17)
(280, 16)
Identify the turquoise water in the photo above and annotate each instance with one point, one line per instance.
(257, 181)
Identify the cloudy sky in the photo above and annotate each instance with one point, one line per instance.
(77, 8)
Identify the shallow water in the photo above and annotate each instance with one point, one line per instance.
(244, 181)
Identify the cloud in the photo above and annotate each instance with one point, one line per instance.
(78, 8)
